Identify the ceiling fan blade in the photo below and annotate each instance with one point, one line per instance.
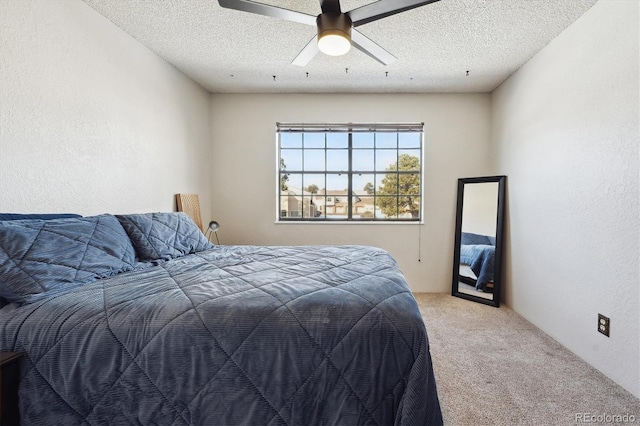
(330, 6)
(267, 10)
(372, 49)
(383, 8)
(307, 54)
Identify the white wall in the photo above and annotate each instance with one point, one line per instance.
(90, 120)
(480, 208)
(244, 172)
(567, 134)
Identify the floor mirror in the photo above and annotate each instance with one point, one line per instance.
(477, 257)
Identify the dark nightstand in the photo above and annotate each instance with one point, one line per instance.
(9, 377)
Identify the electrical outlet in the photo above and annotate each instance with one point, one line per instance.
(603, 324)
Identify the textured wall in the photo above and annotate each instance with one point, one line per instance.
(90, 120)
(244, 173)
(566, 130)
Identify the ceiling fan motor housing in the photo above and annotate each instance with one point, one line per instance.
(336, 27)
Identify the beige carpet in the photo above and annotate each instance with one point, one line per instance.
(493, 367)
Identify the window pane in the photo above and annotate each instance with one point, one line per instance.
(337, 182)
(387, 207)
(313, 183)
(291, 204)
(409, 159)
(314, 140)
(284, 206)
(409, 184)
(363, 184)
(309, 209)
(386, 140)
(337, 140)
(284, 183)
(337, 193)
(363, 140)
(409, 140)
(363, 160)
(338, 160)
(386, 183)
(294, 183)
(320, 202)
(409, 207)
(386, 159)
(291, 159)
(314, 160)
(290, 140)
(363, 208)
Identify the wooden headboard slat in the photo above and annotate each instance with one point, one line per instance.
(190, 204)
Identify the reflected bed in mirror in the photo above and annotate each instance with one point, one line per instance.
(477, 259)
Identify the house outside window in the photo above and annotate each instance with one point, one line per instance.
(350, 172)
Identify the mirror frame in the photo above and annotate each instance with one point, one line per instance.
(497, 274)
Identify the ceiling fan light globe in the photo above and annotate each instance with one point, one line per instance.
(334, 43)
(334, 33)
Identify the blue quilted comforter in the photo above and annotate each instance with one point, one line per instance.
(229, 336)
(478, 251)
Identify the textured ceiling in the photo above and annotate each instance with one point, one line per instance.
(228, 51)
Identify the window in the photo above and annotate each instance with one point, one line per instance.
(350, 172)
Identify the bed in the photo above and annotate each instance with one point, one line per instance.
(138, 319)
(477, 260)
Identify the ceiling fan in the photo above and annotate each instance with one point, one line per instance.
(336, 30)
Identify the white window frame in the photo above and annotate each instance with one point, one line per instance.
(308, 213)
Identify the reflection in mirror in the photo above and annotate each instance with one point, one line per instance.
(478, 240)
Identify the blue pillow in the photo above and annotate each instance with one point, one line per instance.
(21, 216)
(40, 258)
(469, 239)
(163, 236)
